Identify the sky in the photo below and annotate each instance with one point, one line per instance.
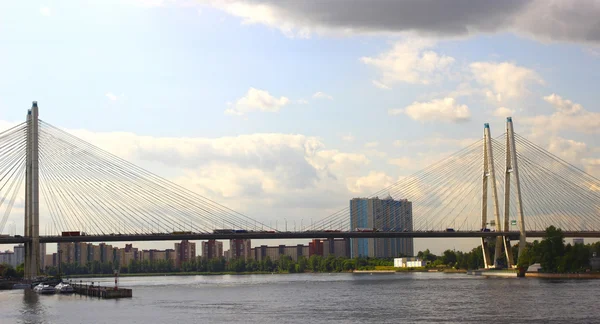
(293, 107)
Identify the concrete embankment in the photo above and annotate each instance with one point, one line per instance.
(492, 273)
(562, 275)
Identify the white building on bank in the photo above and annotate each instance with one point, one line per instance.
(409, 262)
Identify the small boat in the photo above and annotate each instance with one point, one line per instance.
(64, 288)
(44, 289)
(21, 286)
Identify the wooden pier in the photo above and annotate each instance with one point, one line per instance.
(102, 292)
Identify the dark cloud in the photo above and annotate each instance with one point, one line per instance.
(557, 20)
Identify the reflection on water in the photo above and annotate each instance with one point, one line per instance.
(32, 311)
(317, 298)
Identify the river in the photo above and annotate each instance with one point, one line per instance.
(318, 298)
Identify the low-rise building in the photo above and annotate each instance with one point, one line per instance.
(409, 262)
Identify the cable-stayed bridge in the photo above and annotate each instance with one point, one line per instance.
(504, 187)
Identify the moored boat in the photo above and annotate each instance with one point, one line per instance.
(44, 289)
(64, 288)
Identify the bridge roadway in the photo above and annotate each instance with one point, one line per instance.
(285, 235)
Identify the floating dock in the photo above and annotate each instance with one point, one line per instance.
(102, 292)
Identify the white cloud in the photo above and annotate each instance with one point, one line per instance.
(45, 11)
(348, 138)
(503, 112)
(111, 96)
(257, 100)
(322, 95)
(567, 149)
(400, 143)
(409, 61)
(568, 116)
(436, 110)
(402, 162)
(380, 85)
(563, 105)
(371, 144)
(505, 80)
(370, 183)
(302, 101)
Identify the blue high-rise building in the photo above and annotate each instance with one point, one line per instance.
(383, 215)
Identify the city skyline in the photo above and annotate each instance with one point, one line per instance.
(360, 106)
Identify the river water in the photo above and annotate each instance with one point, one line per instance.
(318, 298)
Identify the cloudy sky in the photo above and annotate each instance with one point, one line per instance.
(292, 107)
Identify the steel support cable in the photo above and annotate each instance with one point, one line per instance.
(577, 172)
(71, 177)
(408, 188)
(180, 224)
(175, 189)
(552, 201)
(193, 219)
(530, 193)
(584, 190)
(473, 187)
(158, 198)
(560, 175)
(9, 166)
(446, 200)
(196, 220)
(462, 190)
(87, 184)
(17, 180)
(410, 179)
(541, 182)
(70, 201)
(447, 176)
(418, 183)
(50, 203)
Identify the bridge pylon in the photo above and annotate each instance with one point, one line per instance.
(489, 176)
(32, 206)
(512, 168)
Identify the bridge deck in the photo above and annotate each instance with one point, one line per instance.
(284, 235)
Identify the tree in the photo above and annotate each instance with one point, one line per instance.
(552, 248)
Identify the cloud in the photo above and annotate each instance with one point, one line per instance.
(402, 162)
(548, 20)
(436, 141)
(503, 112)
(348, 138)
(567, 149)
(257, 100)
(436, 110)
(371, 144)
(45, 11)
(408, 61)
(568, 116)
(505, 80)
(322, 95)
(111, 96)
(370, 183)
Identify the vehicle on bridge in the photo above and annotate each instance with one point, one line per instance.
(240, 231)
(485, 229)
(363, 229)
(181, 233)
(331, 231)
(449, 229)
(223, 231)
(73, 233)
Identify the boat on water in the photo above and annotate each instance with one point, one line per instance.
(44, 289)
(64, 288)
(21, 286)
